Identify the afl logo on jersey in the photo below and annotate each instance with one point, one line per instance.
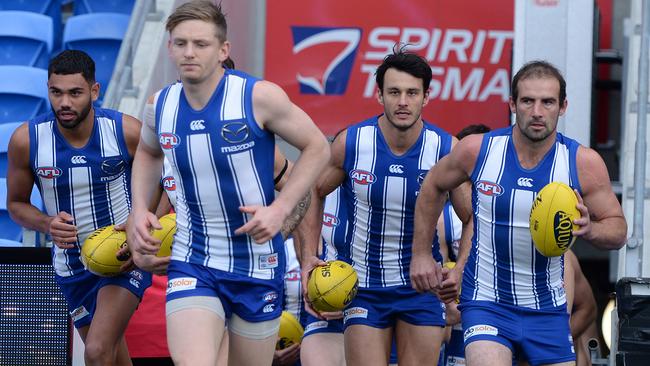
(168, 140)
(48, 172)
(362, 177)
(330, 220)
(113, 166)
(169, 183)
(489, 188)
(234, 132)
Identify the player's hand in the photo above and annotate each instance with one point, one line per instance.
(138, 233)
(450, 287)
(584, 222)
(426, 274)
(265, 223)
(288, 356)
(332, 315)
(151, 263)
(307, 266)
(453, 314)
(63, 231)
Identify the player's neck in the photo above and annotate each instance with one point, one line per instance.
(78, 136)
(530, 152)
(400, 140)
(198, 93)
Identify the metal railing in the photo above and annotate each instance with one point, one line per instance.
(122, 79)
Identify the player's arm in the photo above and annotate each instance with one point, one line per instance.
(276, 113)
(584, 310)
(602, 222)
(145, 178)
(442, 238)
(20, 182)
(281, 171)
(310, 234)
(449, 173)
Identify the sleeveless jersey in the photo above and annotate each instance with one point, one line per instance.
(292, 293)
(382, 189)
(220, 160)
(453, 230)
(335, 227)
(91, 183)
(503, 265)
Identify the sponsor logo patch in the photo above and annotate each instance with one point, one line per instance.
(235, 132)
(181, 284)
(316, 325)
(355, 312)
(362, 177)
(79, 313)
(168, 140)
(270, 296)
(489, 188)
(481, 329)
(48, 172)
(268, 261)
(268, 308)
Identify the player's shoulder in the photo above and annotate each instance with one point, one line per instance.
(437, 130)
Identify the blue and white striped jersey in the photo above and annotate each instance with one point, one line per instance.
(91, 183)
(168, 182)
(382, 189)
(335, 225)
(453, 230)
(292, 290)
(503, 265)
(221, 160)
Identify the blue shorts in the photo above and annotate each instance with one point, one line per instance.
(539, 336)
(381, 307)
(80, 291)
(252, 299)
(454, 349)
(314, 325)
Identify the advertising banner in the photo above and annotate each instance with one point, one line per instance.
(325, 53)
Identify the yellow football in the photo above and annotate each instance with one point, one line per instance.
(99, 251)
(551, 219)
(166, 234)
(290, 331)
(333, 286)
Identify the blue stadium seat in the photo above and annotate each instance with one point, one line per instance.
(103, 6)
(6, 130)
(25, 39)
(51, 8)
(8, 228)
(23, 93)
(99, 35)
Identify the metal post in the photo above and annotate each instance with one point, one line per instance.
(636, 240)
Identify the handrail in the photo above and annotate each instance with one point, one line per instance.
(121, 80)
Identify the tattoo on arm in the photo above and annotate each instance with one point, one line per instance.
(296, 216)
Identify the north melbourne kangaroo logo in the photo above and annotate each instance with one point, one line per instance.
(334, 79)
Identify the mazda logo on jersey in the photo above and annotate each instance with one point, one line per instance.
(489, 188)
(421, 177)
(234, 132)
(362, 177)
(113, 166)
(48, 172)
(169, 183)
(168, 140)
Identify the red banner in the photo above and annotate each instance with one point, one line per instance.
(325, 53)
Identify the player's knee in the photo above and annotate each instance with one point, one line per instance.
(98, 353)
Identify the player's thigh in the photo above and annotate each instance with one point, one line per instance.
(366, 345)
(222, 355)
(251, 343)
(568, 363)
(487, 353)
(418, 344)
(115, 306)
(322, 349)
(193, 335)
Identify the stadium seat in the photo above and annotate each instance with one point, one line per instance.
(25, 38)
(99, 35)
(51, 8)
(103, 6)
(6, 130)
(9, 229)
(23, 93)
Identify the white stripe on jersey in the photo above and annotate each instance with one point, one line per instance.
(233, 99)
(328, 232)
(244, 171)
(365, 157)
(486, 258)
(393, 228)
(431, 143)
